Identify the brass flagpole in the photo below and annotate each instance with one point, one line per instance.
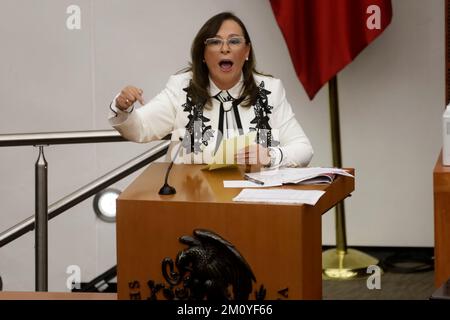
(341, 263)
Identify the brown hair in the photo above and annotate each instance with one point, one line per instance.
(199, 85)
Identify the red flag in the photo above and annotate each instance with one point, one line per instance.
(323, 36)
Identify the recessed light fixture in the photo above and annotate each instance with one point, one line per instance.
(105, 204)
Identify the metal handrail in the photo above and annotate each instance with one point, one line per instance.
(44, 213)
(48, 138)
(87, 191)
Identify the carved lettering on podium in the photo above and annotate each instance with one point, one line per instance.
(135, 291)
(284, 292)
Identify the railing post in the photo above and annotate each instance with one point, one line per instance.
(41, 223)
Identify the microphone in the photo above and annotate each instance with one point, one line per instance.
(167, 189)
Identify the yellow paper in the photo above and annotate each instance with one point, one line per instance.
(228, 148)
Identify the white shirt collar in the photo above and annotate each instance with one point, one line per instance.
(235, 91)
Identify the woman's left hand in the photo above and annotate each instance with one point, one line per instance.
(254, 155)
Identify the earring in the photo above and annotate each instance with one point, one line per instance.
(246, 59)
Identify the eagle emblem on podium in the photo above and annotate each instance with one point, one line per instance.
(210, 268)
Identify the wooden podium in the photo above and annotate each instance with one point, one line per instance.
(281, 243)
(441, 189)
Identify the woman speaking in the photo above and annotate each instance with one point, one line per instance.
(220, 96)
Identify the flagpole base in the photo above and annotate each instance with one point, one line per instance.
(341, 265)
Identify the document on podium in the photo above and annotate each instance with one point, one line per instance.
(228, 148)
(313, 175)
(247, 184)
(280, 196)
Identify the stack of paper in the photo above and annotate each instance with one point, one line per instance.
(296, 175)
(279, 196)
(228, 148)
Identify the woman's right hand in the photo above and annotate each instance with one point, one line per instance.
(128, 96)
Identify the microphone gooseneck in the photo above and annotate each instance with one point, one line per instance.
(167, 189)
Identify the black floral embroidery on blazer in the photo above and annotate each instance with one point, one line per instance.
(197, 133)
(261, 121)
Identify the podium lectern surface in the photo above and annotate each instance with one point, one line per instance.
(280, 242)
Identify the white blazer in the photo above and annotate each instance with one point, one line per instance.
(171, 111)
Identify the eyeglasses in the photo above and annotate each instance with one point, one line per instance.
(217, 43)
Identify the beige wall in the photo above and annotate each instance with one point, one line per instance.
(55, 79)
